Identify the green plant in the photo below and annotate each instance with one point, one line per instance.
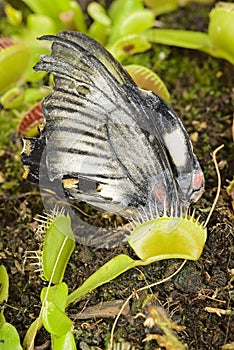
(174, 239)
(218, 42)
(9, 338)
(116, 28)
(125, 29)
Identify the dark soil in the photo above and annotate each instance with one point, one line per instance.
(201, 296)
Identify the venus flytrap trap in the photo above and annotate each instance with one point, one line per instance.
(57, 245)
(147, 79)
(129, 20)
(14, 59)
(167, 238)
(12, 98)
(128, 45)
(31, 121)
(220, 30)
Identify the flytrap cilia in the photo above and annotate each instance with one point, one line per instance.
(109, 144)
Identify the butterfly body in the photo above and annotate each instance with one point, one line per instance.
(109, 143)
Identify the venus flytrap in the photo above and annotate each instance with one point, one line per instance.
(129, 20)
(218, 42)
(57, 247)
(169, 237)
(118, 12)
(31, 121)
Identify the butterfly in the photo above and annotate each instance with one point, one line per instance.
(106, 142)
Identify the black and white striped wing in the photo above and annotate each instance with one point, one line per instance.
(106, 139)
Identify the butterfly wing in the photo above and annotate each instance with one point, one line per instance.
(108, 141)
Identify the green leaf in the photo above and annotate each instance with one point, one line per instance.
(64, 342)
(57, 249)
(4, 284)
(221, 48)
(9, 337)
(167, 238)
(106, 273)
(79, 18)
(29, 338)
(137, 22)
(182, 38)
(147, 79)
(54, 320)
(57, 294)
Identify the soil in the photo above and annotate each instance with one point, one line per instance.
(200, 297)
